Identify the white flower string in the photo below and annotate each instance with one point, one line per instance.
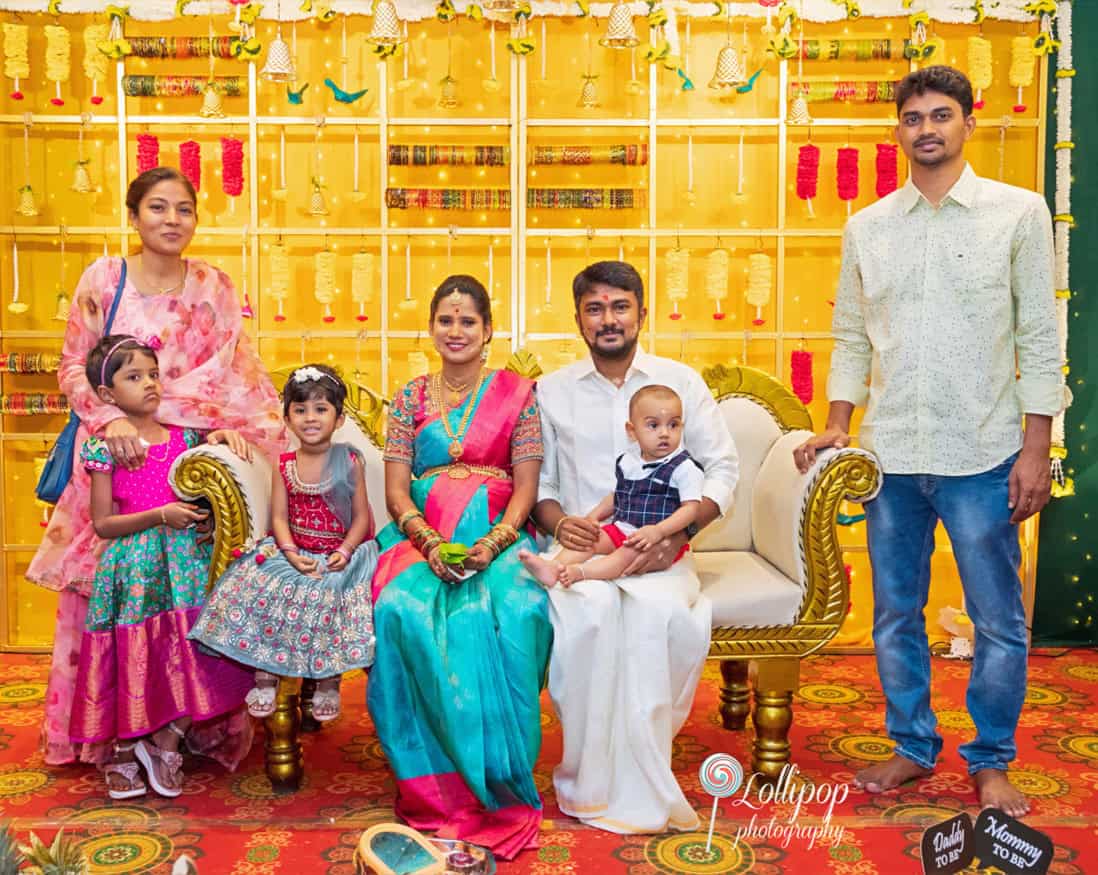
(739, 167)
(16, 306)
(408, 303)
(548, 276)
(1062, 485)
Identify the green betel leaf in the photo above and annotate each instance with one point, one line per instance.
(453, 554)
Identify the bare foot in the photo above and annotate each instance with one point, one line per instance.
(996, 791)
(544, 571)
(881, 777)
(571, 574)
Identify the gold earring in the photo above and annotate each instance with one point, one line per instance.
(484, 353)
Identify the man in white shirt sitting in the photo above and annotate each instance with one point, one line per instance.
(627, 653)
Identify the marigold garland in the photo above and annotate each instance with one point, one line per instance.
(760, 281)
(676, 286)
(1023, 64)
(232, 166)
(95, 62)
(808, 173)
(324, 289)
(190, 162)
(280, 277)
(363, 277)
(887, 170)
(716, 279)
(148, 152)
(979, 66)
(800, 374)
(16, 60)
(58, 59)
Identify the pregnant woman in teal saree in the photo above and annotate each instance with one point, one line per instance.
(461, 649)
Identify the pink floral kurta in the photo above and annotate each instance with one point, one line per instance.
(212, 378)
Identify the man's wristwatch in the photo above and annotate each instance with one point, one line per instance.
(691, 530)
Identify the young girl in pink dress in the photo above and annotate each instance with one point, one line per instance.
(140, 683)
(299, 604)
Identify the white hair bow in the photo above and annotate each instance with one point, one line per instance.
(301, 375)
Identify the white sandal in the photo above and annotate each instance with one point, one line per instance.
(129, 770)
(261, 700)
(329, 702)
(147, 753)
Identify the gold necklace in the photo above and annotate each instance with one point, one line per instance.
(455, 437)
(456, 391)
(165, 291)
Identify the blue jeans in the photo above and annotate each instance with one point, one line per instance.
(901, 522)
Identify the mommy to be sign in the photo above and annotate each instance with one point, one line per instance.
(997, 840)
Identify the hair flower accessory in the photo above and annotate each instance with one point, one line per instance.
(154, 343)
(301, 375)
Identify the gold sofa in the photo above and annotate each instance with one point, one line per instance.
(772, 568)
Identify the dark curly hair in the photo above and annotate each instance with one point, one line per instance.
(329, 386)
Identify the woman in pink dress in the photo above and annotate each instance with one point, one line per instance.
(211, 376)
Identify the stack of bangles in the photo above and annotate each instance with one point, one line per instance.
(292, 548)
(425, 538)
(499, 538)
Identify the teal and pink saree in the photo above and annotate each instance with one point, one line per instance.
(454, 689)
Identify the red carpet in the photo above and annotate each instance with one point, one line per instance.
(233, 825)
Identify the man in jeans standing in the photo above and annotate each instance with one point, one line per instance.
(945, 294)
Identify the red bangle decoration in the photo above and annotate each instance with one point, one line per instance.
(148, 152)
(846, 176)
(808, 173)
(800, 370)
(886, 169)
(190, 162)
(232, 166)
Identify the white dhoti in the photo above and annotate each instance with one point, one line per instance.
(627, 656)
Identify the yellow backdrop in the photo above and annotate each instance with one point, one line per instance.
(534, 252)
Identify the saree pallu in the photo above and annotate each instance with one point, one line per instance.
(459, 668)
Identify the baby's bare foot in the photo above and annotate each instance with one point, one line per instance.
(544, 571)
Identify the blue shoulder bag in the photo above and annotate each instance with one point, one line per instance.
(58, 469)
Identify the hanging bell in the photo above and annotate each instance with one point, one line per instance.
(26, 206)
(211, 103)
(729, 72)
(589, 95)
(81, 179)
(448, 98)
(798, 111)
(620, 33)
(317, 205)
(280, 63)
(386, 26)
(63, 307)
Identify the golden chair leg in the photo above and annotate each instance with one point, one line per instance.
(308, 722)
(285, 764)
(777, 678)
(735, 693)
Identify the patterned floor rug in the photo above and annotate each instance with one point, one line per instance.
(232, 824)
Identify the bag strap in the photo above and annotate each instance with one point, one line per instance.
(117, 300)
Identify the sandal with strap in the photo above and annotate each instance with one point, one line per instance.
(130, 771)
(261, 700)
(326, 704)
(148, 753)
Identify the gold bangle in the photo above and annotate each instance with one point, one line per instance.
(163, 519)
(556, 531)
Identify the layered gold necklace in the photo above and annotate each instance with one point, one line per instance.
(458, 435)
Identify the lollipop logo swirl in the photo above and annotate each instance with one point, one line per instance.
(721, 775)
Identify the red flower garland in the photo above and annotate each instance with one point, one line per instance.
(190, 162)
(800, 371)
(808, 171)
(232, 166)
(846, 176)
(148, 152)
(886, 169)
